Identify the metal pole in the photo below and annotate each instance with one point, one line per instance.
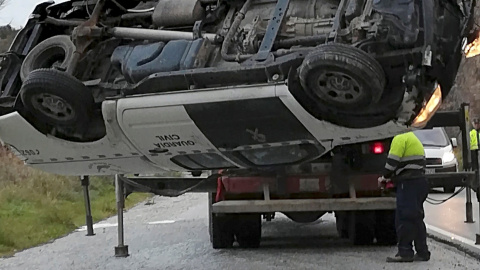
(467, 158)
(477, 235)
(88, 212)
(154, 35)
(121, 250)
(468, 206)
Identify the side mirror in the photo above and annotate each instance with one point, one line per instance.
(454, 142)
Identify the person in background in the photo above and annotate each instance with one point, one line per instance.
(474, 142)
(405, 166)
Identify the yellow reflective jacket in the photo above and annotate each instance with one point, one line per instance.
(473, 139)
(406, 157)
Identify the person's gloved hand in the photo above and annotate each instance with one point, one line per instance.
(382, 181)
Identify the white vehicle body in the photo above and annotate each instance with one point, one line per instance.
(146, 133)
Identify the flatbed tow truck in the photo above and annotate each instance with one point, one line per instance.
(345, 183)
(295, 99)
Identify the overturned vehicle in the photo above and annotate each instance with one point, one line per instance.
(130, 86)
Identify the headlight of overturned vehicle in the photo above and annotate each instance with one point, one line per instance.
(429, 109)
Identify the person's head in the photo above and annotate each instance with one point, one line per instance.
(476, 123)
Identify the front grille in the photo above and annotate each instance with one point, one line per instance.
(434, 161)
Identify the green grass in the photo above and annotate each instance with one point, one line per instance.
(36, 207)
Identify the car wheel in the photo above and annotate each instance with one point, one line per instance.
(57, 98)
(374, 116)
(342, 78)
(54, 52)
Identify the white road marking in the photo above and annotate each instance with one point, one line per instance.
(161, 222)
(98, 226)
(453, 237)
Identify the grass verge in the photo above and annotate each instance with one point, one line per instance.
(36, 207)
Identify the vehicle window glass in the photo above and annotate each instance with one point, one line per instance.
(202, 161)
(432, 137)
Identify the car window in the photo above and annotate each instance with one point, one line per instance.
(432, 137)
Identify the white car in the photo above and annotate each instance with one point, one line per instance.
(439, 154)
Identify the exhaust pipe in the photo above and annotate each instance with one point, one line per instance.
(154, 35)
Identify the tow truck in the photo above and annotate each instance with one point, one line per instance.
(293, 100)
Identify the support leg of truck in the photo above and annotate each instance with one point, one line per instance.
(468, 206)
(121, 250)
(88, 212)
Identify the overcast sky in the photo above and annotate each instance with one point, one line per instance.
(16, 12)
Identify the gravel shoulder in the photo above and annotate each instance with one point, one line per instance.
(172, 233)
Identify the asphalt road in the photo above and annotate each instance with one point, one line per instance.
(450, 216)
(173, 234)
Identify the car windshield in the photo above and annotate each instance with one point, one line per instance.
(432, 137)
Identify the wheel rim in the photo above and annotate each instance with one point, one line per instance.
(53, 106)
(338, 87)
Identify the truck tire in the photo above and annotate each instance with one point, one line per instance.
(361, 227)
(385, 231)
(56, 51)
(342, 78)
(57, 98)
(222, 231)
(341, 223)
(248, 230)
(211, 200)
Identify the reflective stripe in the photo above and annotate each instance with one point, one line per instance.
(410, 167)
(390, 167)
(413, 167)
(411, 158)
(394, 157)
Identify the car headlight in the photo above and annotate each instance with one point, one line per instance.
(429, 109)
(448, 157)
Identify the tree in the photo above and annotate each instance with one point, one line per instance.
(3, 3)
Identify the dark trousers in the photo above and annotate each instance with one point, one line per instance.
(474, 155)
(409, 217)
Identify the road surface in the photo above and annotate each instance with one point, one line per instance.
(450, 216)
(172, 233)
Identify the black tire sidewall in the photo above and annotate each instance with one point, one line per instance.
(57, 83)
(62, 41)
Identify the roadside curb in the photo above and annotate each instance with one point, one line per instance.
(463, 244)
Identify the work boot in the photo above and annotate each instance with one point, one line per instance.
(399, 259)
(421, 258)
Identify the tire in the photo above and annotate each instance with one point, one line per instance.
(385, 231)
(222, 231)
(341, 223)
(248, 230)
(57, 98)
(361, 227)
(449, 189)
(342, 78)
(374, 116)
(55, 52)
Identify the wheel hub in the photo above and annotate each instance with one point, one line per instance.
(338, 87)
(53, 106)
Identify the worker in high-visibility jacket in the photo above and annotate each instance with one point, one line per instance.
(405, 166)
(474, 142)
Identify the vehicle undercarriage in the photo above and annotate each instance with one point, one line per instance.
(352, 63)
